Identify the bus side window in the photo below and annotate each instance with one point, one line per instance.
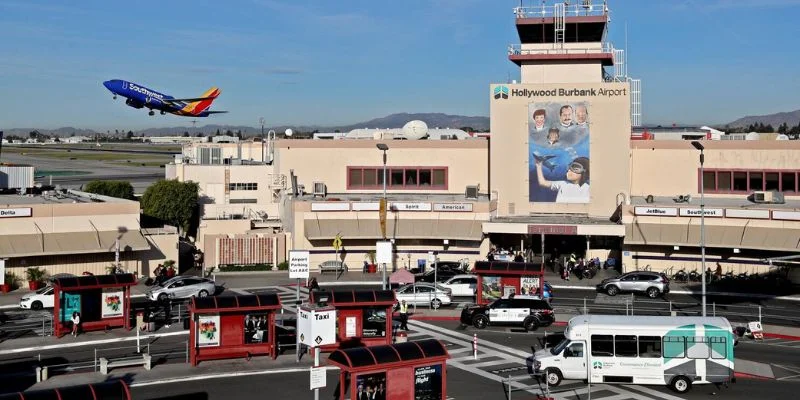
(719, 349)
(650, 346)
(697, 347)
(574, 350)
(602, 345)
(674, 347)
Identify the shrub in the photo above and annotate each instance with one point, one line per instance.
(244, 268)
(283, 266)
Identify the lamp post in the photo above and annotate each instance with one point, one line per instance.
(384, 148)
(699, 146)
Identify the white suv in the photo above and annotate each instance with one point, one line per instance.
(42, 298)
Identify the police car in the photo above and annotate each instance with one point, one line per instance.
(529, 312)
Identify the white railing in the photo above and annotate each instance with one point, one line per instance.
(517, 50)
(588, 8)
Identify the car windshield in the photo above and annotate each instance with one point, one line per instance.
(44, 290)
(559, 347)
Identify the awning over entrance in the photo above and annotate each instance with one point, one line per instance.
(748, 234)
(580, 225)
(317, 229)
(70, 243)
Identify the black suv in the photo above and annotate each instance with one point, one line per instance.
(527, 312)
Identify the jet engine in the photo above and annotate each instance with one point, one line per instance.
(134, 103)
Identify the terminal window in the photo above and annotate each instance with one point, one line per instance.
(737, 181)
(243, 186)
(415, 178)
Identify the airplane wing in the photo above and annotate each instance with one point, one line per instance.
(187, 100)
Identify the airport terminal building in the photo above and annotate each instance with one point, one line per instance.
(558, 174)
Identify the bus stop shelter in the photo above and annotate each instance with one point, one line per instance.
(364, 317)
(498, 279)
(402, 371)
(111, 390)
(103, 301)
(232, 327)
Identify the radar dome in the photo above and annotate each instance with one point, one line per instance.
(288, 132)
(415, 129)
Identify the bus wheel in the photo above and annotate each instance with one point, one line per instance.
(553, 377)
(681, 384)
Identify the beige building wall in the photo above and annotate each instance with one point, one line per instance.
(72, 217)
(466, 161)
(609, 119)
(214, 179)
(163, 247)
(562, 72)
(670, 168)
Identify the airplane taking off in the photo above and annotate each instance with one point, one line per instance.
(139, 97)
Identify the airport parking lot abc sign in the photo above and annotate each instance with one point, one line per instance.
(298, 264)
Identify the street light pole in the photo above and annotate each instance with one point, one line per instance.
(699, 146)
(383, 147)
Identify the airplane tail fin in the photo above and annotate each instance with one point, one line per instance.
(197, 107)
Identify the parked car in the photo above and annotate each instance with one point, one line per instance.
(441, 275)
(650, 283)
(462, 285)
(181, 287)
(424, 294)
(42, 298)
(332, 266)
(529, 312)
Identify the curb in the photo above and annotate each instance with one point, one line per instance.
(691, 292)
(744, 375)
(781, 336)
(225, 375)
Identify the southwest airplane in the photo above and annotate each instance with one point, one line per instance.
(139, 96)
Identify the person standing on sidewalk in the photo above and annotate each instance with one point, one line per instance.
(76, 323)
(403, 315)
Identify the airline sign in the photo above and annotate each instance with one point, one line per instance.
(708, 212)
(448, 207)
(656, 211)
(15, 212)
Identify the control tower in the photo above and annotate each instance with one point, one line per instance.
(566, 42)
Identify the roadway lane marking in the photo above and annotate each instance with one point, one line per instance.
(90, 343)
(225, 375)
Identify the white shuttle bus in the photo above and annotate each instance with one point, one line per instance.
(648, 350)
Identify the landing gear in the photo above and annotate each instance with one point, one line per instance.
(151, 113)
(163, 113)
(115, 97)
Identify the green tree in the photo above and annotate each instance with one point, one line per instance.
(185, 133)
(119, 189)
(172, 202)
(129, 135)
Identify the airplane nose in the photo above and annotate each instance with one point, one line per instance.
(108, 85)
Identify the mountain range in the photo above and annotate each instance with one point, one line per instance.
(791, 118)
(433, 120)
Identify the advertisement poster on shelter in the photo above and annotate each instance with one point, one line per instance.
(112, 303)
(529, 284)
(428, 383)
(374, 324)
(208, 330)
(256, 328)
(490, 287)
(558, 152)
(70, 303)
(371, 386)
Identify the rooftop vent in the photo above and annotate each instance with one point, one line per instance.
(682, 198)
(770, 197)
(472, 192)
(320, 189)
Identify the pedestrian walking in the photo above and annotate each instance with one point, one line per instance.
(76, 323)
(403, 315)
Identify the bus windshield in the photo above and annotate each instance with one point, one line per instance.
(559, 347)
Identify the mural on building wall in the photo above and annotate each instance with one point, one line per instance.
(558, 152)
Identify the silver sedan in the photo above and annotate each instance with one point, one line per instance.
(182, 287)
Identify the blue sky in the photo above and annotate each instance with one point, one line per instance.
(345, 61)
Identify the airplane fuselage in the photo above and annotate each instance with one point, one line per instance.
(139, 96)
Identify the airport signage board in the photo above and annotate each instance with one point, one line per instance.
(316, 325)
(330, 206)
(364, 206)
(452, 207)
(410, 206)
(696, 212)
(298, 264)
(751, 214)
(786, 215)
(552, 229)
(656, 211)
(16, 212)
